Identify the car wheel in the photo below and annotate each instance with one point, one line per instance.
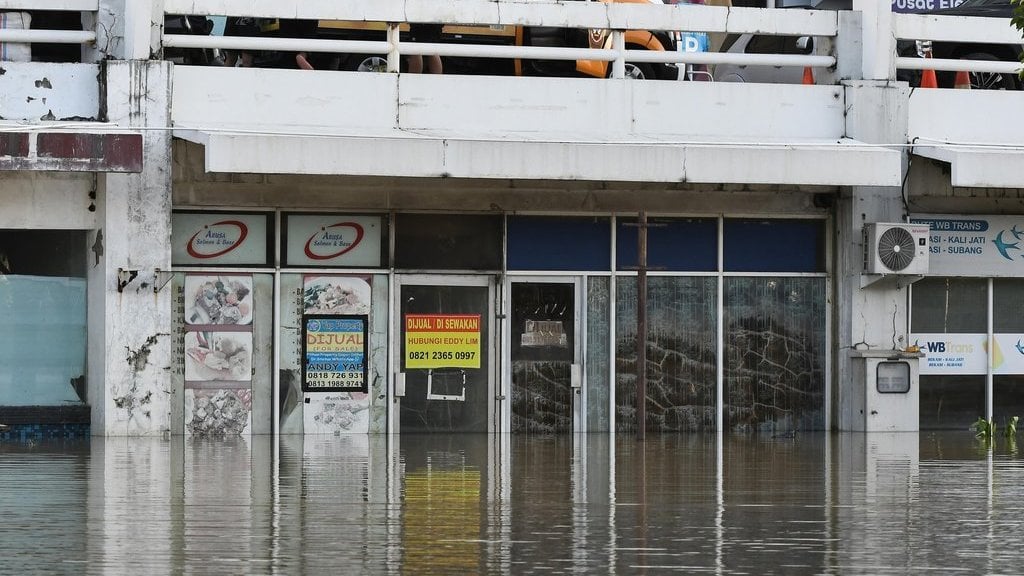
(368, 63)
(640, 71)
(989, 80)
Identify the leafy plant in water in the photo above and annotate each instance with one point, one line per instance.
(1011, 428)
(984, 428)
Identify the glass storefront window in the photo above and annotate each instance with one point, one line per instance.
(1008, 299)
(665, 236)
(448, 242)
(951, 401)
(1007, 398)
(557, 243)
(681, 384)
(598, 332)
(774, 354)
(949, 306)
(42, 318)
(774, 245)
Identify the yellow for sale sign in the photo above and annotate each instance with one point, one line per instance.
(442, 341)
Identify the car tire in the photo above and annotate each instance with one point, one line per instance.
(367, 63)
(989, 80)
(639, 71)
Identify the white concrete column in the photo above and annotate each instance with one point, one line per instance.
(143, 22)
(125, 30)
(875, 317)
(879, 41)
(130, 323)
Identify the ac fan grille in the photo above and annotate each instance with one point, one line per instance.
(896, 248)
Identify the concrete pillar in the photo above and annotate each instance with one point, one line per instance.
(875, 317)
(130, 323)
(125, 30)
(879, 41)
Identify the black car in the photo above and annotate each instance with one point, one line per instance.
(971, 50)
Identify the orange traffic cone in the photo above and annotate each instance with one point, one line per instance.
(928, 79)
(808, 75)
(963, 80)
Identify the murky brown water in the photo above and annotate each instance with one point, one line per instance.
(814, 504)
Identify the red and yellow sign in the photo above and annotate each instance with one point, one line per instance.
(442, 341)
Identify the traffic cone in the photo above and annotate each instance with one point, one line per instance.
(928, 79)
(808, 75)
(963, 80)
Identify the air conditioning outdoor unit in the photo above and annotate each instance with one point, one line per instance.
(896, 248)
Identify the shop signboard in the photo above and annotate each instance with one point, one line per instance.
(1008, 354)
(915, 6)
(967, 354)
(442, 341)
(220, 239)
(952, 353)
(333, 240)
(334, 353)
(975, 246)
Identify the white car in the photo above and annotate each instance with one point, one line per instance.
(772, 44)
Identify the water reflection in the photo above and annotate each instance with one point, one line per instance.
(843, 504)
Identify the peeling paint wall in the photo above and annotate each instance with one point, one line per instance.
(46, 200)
(130, 323)
(43, 91)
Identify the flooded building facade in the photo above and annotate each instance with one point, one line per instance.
(225, 250)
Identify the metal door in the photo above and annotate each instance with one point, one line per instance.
(548, 395)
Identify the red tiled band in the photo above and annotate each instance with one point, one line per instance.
(122, 152)
(14, 144)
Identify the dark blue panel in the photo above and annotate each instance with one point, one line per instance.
(554, 243)
(680, 245)
(774, 246)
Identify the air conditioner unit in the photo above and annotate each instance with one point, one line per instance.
(895, 248)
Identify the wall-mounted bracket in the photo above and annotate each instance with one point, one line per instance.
(125, 277)
(897, 281)
(160, 279)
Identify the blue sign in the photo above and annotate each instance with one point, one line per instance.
(975, 246)
(334, 350)
(915, 6)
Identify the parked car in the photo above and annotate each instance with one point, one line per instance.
(773, 44)
(516, 36)
(970, 50)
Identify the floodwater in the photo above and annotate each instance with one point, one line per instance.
(592, 504)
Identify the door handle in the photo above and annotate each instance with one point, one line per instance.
(399, 384)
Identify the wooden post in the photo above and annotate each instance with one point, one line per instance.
(641, 328)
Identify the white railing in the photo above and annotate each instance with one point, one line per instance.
(583, 15)
(49, 36)
(958, 29)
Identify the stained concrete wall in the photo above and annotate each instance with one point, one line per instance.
(130, 325)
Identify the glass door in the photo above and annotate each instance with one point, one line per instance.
(445, 362)
(547, 379)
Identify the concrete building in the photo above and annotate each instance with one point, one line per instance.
(211, 250)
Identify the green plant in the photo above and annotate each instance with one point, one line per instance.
(984, 428)
(1018, 22)
(1011, 428)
